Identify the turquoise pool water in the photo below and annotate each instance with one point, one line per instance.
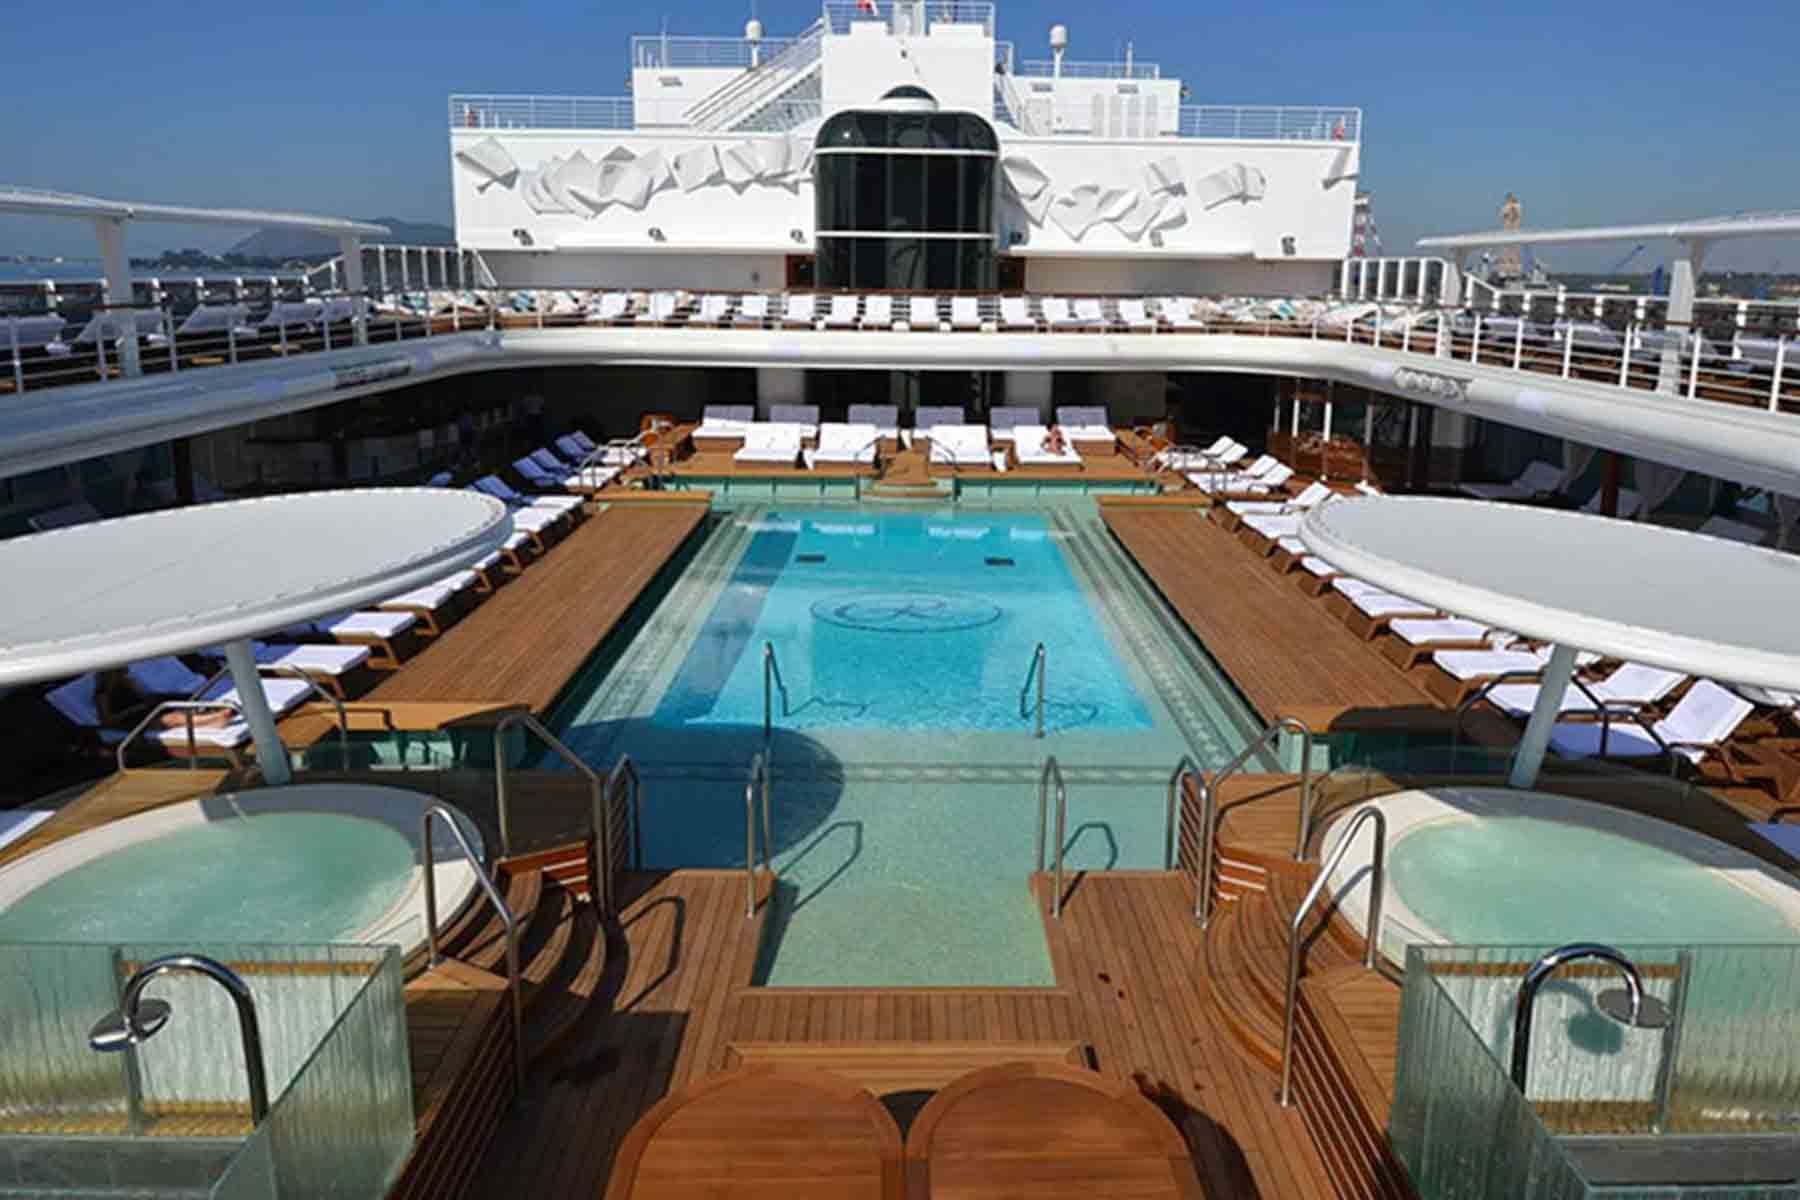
(906, 779)
(1520, 880)
(276, 877)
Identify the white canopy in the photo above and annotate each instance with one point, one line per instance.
(113, 592)
(1703, 605)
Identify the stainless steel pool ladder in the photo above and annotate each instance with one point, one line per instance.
(343, 716)
(772, 682)
(600, 816)
(1050, 776)
(1040, 658)
(758, 784)
(1608, 710)
(1371, 931)
(1206, 852)
(507, 919)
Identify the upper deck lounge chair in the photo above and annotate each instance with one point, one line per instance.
(1179, 312)
(1015, 313)
(33, 333)
(660, 309)
(806, 416)
(1537, 479)
(767, 442)
(878, 311)
(1059, 314)
(1135, 316)
(1003, 421)
(885, 418)
(801, 310)
(714, 309)
(753, 309)
(1242, 480)
(725, 422)
(965, 313)
(212, 320)
(1029, 450)
(1698, 724)
(843, 312)
(1089, 313)
(584, 479)
(922, 312)
(960, 446)
(1085, 424)
(843, 442)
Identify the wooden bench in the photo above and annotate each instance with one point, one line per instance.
(887, 1067)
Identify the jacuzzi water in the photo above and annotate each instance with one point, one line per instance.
(274, 877)
(1518, 879)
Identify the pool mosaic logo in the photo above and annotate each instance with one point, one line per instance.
(906, 612)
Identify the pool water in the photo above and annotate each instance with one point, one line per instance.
(905, 785)
(1518, 880)
(275, 877)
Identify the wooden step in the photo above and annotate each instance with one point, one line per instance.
(900, 1066)
(562, 998)
(477, 930)
(459, 1030)
(1348, 1030)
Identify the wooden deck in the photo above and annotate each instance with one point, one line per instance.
(912, 466)
(1285, 653)
(523, 645)
(116, 797)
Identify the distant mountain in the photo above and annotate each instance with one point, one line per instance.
(302, 243)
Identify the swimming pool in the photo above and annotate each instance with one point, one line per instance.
(1494, 866)
(906, 775)
(311, 863)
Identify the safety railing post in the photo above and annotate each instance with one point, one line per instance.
(507, 920)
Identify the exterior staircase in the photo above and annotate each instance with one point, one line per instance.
(459, 1013)
(737, 104)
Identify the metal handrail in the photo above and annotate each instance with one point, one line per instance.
(510, 922)
(189, 707)
(772, 682)
(1053, 772)
(1209, 807)
(343, 716)
(602, 830)
(759, 780)
(1606, 709)
(1185, 768)
(627, 770)
(1039, 667)
(1371, 932)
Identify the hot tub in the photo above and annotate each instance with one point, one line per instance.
(312, 863)
(1496, 866)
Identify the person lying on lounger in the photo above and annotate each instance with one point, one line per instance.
(1054, 441)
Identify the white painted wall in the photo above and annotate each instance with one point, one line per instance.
(955, 63)
(662, 96)
(1165, 276)
(586, 269)
(1127, 107)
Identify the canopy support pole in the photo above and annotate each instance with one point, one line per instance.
(1530, 755)
(271, 755)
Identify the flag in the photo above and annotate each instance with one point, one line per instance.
(867, 6)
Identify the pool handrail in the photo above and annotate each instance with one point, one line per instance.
(507, 920)
(1040, 666)
(627, 771)
(1209, 807)
(188, 708)
(343, 716)
(1052, 773)
(1185, 768)
(772, 682)
(758, 781)
(600, 887)
(1371, 932)
(1606, 709)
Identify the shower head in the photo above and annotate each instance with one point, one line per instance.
(1642, 1012)
(119, 1029)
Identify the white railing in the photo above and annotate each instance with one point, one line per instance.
(665, 52)
(1270, 122)
(744, 96)
(1014, 107)
(1419, 280)
(1071, 69)
(908, 17)
(542, 112)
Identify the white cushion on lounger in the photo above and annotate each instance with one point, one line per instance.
(1274, 525)
(322, 660)
(1028, 445)
(843, 312)
(922, 312)
(1003, 420)
(1438, 629)
(229, 736)
(725, 420)
(960, 445)
(364, 624)
(284, 695)
(1705, 716)
(1633, 685)
(770, 443)
(430, 595)
(1479, 664)
(841, 442)
(1387, 604)
(1312, 564)
(1015, 313)
(878, 312)
(965, 312)
(1084, 424)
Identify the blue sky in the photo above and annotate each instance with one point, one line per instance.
(1592, 114)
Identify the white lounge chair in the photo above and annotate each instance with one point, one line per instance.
(1135, 316)
(1089, 313)
(1085, 424)
(329, 666)
(767, 442)
(660, 310)
(878, 312)
(1313, 494)
(753, 309)
(1179, 312)
(800, 310)
(1465, 665)
(960, 445)
(885, 418)
(1015, 313)
(1059, 314)
(724, 422)
(1537, 479)
(1028, 448)
(922, 312)
(1632, 686)
(33, 333)
(843, 312)
(493, 485)
(965, 312)
(210, 320)
(1629, 501)
(1004, 420)
(1244, 480)
(714, 310)
(584, 479)
(1426, 631)
(610, 307)
(806, 416)
(1699, 723)
(843, 442)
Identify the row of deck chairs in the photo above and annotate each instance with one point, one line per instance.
(1627, 711)
(951, 440)
(1744, 353)
(884, 312)
(46, 332)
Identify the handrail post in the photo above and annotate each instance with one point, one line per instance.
(507, 920)
(1040, 661)
(758, 781)
(1296, 725)
(772, 682)
(1052, 773)
(1371, 931)
(1185, 768)
(600, 890)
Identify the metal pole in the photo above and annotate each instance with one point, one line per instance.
(271, 755)
(1530, 755)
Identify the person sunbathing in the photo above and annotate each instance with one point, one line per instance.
(1054, 441)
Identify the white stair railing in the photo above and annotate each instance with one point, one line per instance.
(761, 84)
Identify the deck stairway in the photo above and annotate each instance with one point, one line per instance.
(739, 102)
(459, 1022)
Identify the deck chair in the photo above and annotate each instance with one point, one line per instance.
(800, 310)
(1002, 421)
(714, 310)
(752, 310)
(1015, 313)
(884, 417)
(806, 416)
(1058, 314)
(1244, 480)
(1029, 449)
(965, 312)
(843, 442)
(584, 479)
(1697, 725)
(385, 633)
(211, 320)
(724, 422)
(565, 475)
(843, 312)
(438, 605)
(1178, 311)
(1537, 479)
(922, 312)
(1085, 424)
(1136, 317)
(33, 333)
(1633, 686)
(767, 442)
(1313, 494)
(1089, 314)
(660, 310)
(610, 307)
(878, 312)
(331, 667)
(1415, 639)
(960, 446)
